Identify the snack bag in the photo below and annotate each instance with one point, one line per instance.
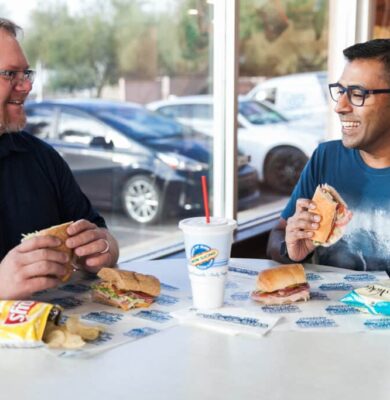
(23, 322)
(374, 298)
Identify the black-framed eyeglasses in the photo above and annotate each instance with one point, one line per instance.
(356, 94)
(15, 76)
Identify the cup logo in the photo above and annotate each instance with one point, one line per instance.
(203, 256)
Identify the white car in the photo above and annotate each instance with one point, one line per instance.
(303, 95)
(278, 149)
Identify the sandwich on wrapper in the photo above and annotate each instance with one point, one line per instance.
(125, 289)
(283, 284)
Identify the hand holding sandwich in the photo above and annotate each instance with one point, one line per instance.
(32, 266)
(317, 222)
(299, 230)
(95, 247)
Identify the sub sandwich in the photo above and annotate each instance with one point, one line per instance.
(125, 289)
(334, 215)
(281, 285)
(60, 232)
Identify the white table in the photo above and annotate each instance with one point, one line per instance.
(186, 363)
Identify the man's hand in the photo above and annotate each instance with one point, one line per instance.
(30, 267)
(299, 230)
(94, 246)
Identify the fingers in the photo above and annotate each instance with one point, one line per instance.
(80, 226)
(302, 224)
(49, 255)
(38, 242)
(46, 269)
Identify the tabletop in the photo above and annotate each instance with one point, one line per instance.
(185, 362)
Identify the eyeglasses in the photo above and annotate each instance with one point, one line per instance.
(15, 76)
(356, 94)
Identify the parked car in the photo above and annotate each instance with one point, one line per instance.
(126, 157)
(297, 96)
(278, 149)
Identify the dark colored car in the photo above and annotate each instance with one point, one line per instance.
(127, 158)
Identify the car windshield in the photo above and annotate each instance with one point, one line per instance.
(259, 114)
(143, 124)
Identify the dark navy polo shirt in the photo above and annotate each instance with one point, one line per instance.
(37, 190)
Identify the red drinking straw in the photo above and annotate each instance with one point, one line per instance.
(205, 199)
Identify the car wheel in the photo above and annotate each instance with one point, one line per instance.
(142, 200)
(283, 167)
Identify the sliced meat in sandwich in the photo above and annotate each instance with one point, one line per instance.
(59, 231)
(281, 285)
(125, 289)
(334, 216)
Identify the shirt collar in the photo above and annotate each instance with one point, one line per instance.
(10, 142)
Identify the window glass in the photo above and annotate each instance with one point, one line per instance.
(41, 122)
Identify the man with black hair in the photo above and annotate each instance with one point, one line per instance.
(38, 190)
(358, 167)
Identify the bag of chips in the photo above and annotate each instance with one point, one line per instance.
(26, 323)
(373, 298)
(23, 322)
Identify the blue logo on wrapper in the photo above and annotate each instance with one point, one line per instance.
(103, 317)
(240, 296)
(316, 322)
(318, 296)
(360, 278)
(203, 256)
(311, 276)
(154, 315)
(336, 286)
(340, 309)
(166, 300)
(139, 333)
(281, 309)
(382, 323)
(67, 302)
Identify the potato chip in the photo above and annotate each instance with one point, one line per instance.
(87, 332)
(72, 341)
(55, 338)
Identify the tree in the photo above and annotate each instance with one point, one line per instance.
(79, 50)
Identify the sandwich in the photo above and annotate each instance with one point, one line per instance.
(125, 289)
(281, 285)
(334, 216)
(60, 232)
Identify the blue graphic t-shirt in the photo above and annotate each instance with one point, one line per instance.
(366, 242)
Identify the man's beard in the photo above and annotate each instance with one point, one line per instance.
(12, 127)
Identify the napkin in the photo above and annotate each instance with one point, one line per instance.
(229, 320)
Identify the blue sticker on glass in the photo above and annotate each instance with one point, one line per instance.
(139, 333)
(341, 309)
(234, 319)
(240, 296)
(311, 276)
(243, 271)
(203, 256)
(318, 296)
(103, 317)
(166, 300)
(67, 302)
(282, 308)
(382, 323)
(335, 286)
(154, 315)
(360, 278)
(316, 322)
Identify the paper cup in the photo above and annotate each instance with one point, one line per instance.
(208, 248)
